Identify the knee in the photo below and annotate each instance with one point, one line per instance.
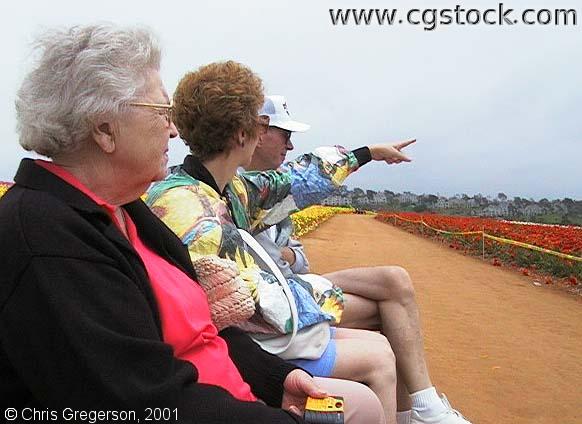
(378, 338)
(400, 283)
(384, 360)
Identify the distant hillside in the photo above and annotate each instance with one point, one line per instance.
(559, 211)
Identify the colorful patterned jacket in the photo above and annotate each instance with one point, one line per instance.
(189, 202)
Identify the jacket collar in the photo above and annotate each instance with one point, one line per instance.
(36, 177)
(152, 231)
(195, 168)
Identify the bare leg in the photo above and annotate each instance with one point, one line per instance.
(361, 405)
(364, 313)
(383, 298)
(403, 402)
(367, 357)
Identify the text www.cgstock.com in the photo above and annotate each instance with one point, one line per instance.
(430, 19)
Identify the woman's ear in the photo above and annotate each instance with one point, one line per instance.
(241, 137)
(104, 135)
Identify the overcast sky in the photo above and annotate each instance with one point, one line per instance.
(494, 108)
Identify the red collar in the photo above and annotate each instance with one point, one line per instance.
(69, 178)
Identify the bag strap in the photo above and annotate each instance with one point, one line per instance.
(267, 260)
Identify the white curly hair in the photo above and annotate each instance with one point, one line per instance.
(81, 73)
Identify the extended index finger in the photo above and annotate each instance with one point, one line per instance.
(405, 144)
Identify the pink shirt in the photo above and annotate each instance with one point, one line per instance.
(183, 307)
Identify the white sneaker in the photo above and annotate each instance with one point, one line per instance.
(450, 416)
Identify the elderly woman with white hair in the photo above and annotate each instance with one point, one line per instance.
(100, 310)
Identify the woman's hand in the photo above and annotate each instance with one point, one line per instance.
(298, 385)
(390, 153)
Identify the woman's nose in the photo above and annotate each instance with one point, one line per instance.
(173, 130)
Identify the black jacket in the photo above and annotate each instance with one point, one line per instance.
(79, 324)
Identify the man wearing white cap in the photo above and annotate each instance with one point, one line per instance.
(272, 150)
(377, 298)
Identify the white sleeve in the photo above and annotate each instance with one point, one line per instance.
(301, 265)
(274, 251)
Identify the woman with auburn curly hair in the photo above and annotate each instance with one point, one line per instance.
(204, 201)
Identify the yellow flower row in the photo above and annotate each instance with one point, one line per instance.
(308, 219)
(4, 188)
(303, 221)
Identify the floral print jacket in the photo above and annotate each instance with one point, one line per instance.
(206, 220)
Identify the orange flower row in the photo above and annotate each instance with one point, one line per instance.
(562, 239)
(565, 239)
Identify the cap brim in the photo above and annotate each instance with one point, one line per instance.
(292, 126)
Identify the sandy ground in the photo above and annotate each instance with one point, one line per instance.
(503, 350)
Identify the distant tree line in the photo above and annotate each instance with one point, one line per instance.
(557, 211)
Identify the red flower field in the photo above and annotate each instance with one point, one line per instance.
(564, 242)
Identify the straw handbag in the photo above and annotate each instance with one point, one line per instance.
(229, 298)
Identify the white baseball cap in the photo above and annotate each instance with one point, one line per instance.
(275, 107)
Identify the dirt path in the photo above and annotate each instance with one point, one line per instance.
(503, 350)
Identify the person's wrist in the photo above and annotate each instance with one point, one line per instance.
(289, 255)
(292, 256)
(374, 153)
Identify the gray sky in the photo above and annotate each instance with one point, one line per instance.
(494, 108)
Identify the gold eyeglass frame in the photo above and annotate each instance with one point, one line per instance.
(169, 108)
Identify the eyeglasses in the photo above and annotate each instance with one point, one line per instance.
(263, 124)
(285, 133)
(162, 109)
